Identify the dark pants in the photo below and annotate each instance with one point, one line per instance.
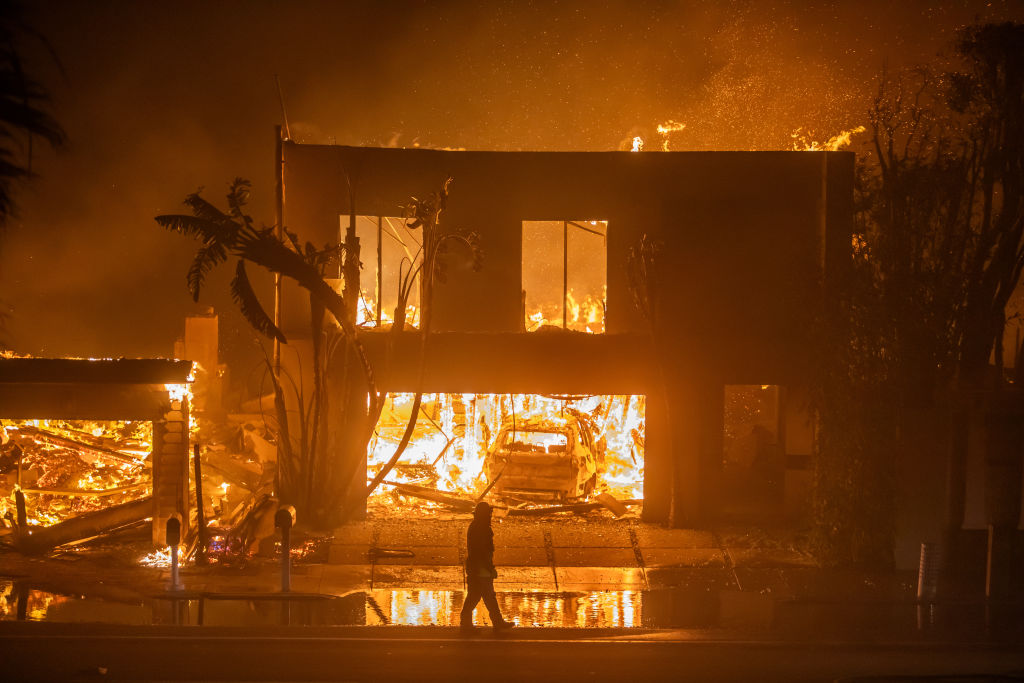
(480, 587)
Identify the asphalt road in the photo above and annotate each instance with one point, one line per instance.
(201, 654)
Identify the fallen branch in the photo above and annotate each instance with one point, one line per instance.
(235, 474)
(613, 504)
(460, 504)
(43, 435)
(40, 539)
(93, 493)
(491, 485)
(576, 507)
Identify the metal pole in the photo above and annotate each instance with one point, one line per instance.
(284, 519)
(200, 513)
(286, 557)
(174, 568)
(380, 268)
(279, 217)
(565, 275)
(21, 513)
(350, 265)
(173, 536)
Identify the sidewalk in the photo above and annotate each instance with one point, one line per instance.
(564, 574)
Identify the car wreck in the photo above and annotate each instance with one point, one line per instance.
(545, 459)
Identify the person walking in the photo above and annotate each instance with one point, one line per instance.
(480, 572)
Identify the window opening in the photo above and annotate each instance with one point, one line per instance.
(565, 275)
(385, 245)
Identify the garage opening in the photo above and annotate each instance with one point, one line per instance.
(519, 452)
(65, 468)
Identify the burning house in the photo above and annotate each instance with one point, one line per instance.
(619, 299)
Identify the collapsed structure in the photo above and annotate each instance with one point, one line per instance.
(742, 249)
(87, 427)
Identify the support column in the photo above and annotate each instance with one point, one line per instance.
(711, 424)
(658, 461)
(170, 469)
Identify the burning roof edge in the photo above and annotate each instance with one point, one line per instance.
(94, 370)
(657, 159)
(355, 151)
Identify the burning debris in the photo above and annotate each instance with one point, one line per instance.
(529, 452)
(66, 468)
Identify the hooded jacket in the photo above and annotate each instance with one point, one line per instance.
(480, 545)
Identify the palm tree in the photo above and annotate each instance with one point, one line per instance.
(233, 234)
(23, 115)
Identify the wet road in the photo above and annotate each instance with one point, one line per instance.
(92, 652)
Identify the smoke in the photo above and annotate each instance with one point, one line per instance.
(159, 100)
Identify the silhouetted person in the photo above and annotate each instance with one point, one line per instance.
(480, 572)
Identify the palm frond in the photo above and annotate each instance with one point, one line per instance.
(224, 228)
(293, 238)
(243, 295)
(238, 197)
(204, 209)
(264, 249)
(208, 256)
(191, 226)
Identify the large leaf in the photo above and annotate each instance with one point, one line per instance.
(238, 196)
(199, 228)
(264, 249)
(249, 304)
(223, 226)
(207, 257)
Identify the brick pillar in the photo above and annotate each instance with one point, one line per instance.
(170, 469)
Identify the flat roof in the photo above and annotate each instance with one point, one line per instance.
(94, 371)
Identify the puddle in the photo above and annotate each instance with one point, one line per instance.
(669, 608)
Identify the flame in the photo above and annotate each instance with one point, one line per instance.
(161, 558)
(638, 144)
(667, 128)
(63, 466)
(455, 432)
(802, 141)
(366, 313)
(584, 314)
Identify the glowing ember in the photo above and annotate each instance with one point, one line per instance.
(638, 144)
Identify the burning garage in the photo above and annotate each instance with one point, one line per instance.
(583, 319)
(90, 446)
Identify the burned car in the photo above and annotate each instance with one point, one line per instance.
(544, 459)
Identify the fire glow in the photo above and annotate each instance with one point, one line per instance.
(69, 467)
(455, 432)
